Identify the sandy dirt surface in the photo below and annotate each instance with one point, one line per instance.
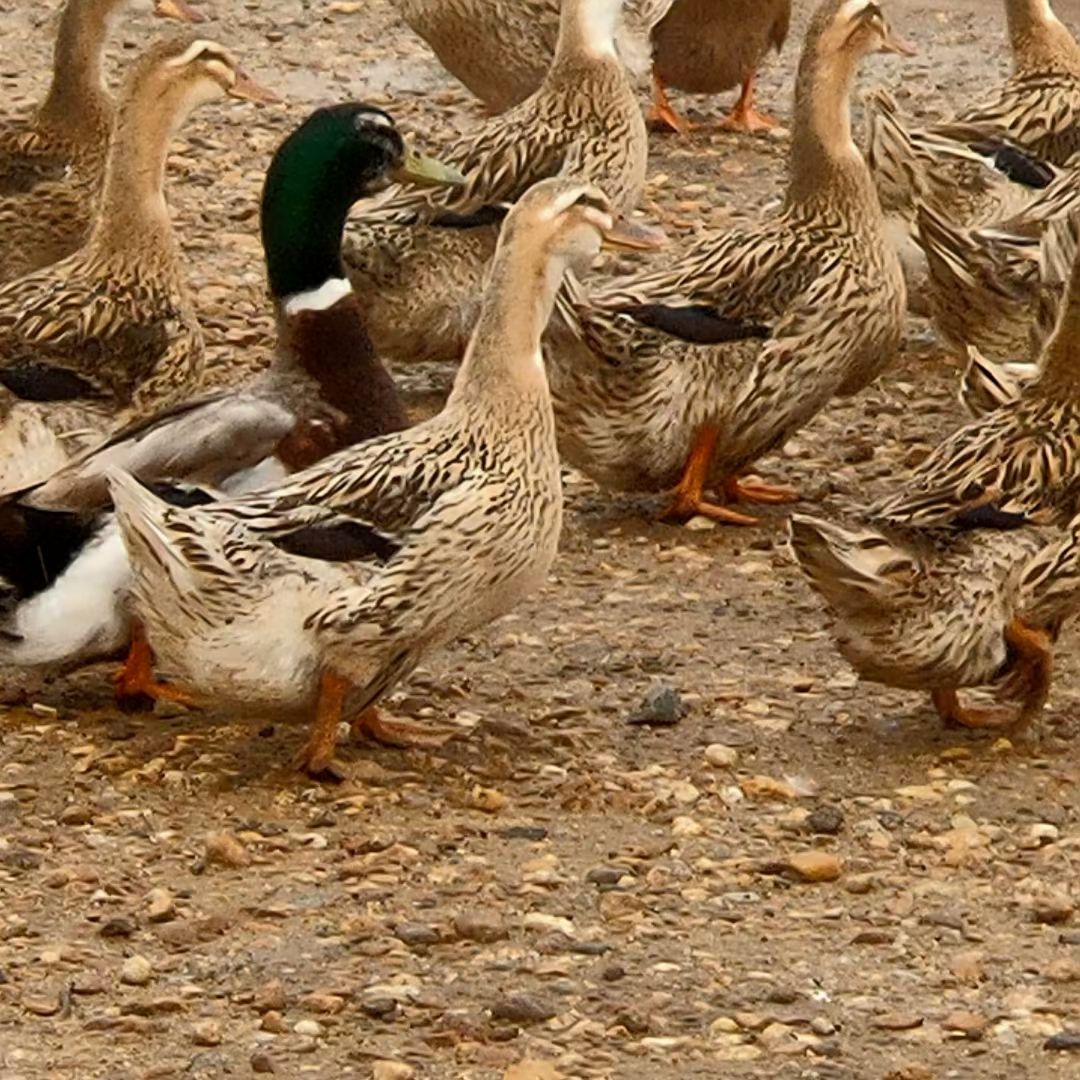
(558, 892)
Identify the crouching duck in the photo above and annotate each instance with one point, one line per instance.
(315, 598)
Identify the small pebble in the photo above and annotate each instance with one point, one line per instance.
(392, 1070)
(662, 707)
(225, 849)
(160, 905)
(815, 866)
(206, 1033)
(311, 1028)
(720, 756)
(136, 971)
(480, 926)
(522, 1009)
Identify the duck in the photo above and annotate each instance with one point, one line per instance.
(52, 161)
(1038, 106)
(995, 288)
(1019, 462)
(417, 261)
(943, 609)
(61, 556)
(111, 327)
(709, 46)
(317, 596)
(501, 50)
(69, 131)
(682, 377)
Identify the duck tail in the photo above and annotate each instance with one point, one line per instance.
(1050, 583)
(852, 569)
(890, 152)
(987, 385)
(143, 519)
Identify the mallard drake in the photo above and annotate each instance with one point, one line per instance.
(709, 46)
(1038, 107)
(329, 589)
(69, 130)
(645, 402)
(940, 610)
(112, 326)
(1021, 460)
(61, 556)
(418, 262)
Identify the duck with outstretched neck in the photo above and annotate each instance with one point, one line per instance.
(682, 378)
(325, 389)
(70, 129)
(420, 261)
(316, 597)
(113, 326)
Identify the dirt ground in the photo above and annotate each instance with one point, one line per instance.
(557, 886)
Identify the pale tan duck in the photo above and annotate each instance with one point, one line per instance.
(418, 281)
(111, 326)
(654, 406)
(709, 46)
(434, 531)
(52, 160)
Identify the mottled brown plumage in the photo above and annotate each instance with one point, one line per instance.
(112, 326)
(418, 281)
(52, 160)
(817, 282)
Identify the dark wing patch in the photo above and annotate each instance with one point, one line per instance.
(695, 323)
(1018, 166)
(183, 496)
(476, 219)
(341, 541)
(37, 546)
(988, 516)
(32, 380)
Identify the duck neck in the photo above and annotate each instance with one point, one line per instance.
(825, 166)
(321, 327)
(1039, 40)
(1061, 363)
(133, 208)
(78, 104)
(503, 358)
(587, 31)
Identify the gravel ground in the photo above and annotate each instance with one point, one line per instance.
(798, 876)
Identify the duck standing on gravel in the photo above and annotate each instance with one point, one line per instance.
(709, 46)
(112, 326)
(60, 552)
(646, 396)
(952, 584)
(320, 595)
